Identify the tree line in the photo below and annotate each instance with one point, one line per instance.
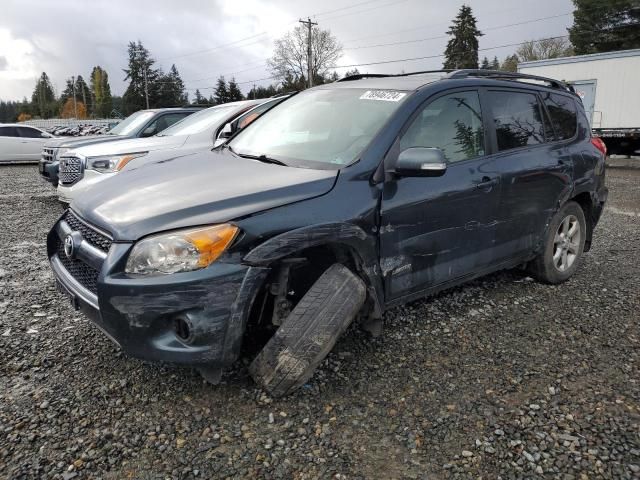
(598, 26)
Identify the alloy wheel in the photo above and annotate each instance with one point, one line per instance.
(566, 243)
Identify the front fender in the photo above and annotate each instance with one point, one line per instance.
(361, 245)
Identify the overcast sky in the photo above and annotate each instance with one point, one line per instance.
(208, 38)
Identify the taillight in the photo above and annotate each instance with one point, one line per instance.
(599, 144)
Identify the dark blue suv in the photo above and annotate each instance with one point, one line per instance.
(342, 201)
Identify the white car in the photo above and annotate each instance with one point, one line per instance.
(21, 143)
(83, 167)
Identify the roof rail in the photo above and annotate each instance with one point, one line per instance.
(496, 74)
(360, 76)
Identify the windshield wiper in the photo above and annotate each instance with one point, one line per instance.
(261, 158)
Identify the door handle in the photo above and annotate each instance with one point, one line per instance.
(487, 183)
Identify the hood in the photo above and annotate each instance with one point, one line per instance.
(198, 189)
(76, 142)
(131, 145)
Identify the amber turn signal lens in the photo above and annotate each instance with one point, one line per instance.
(212, 241)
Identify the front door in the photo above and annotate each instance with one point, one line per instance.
(434, 230)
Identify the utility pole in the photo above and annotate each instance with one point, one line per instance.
(309, 25)
(84, 100)
(73, 89)
(146, 89)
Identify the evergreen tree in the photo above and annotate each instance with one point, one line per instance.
(294, 83)
(263, 92)
(199, 99)
(462, 48)
(605, 25)
(485, 64)
(510, 64)
(10, 110)
(140, 66)
(43, 98)
(82, 94)
(495, 64)
(170, 91)
(234, 91)
(221, 93)
(101, 93)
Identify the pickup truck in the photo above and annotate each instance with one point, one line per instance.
(143, 123)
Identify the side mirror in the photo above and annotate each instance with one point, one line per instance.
(226, 131)
(421, 162)
(147, 132)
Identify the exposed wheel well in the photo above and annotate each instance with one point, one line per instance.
(300, 270)
(585, 202)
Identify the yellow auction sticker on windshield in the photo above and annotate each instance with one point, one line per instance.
(383, 95)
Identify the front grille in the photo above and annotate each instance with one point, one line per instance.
(48, 154)
(71, 170)
(85, 274)
(95, 238)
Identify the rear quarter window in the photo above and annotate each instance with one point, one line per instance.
(563, 113)
(517, 118)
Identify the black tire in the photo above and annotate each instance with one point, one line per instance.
(310, 331)
(547, 268)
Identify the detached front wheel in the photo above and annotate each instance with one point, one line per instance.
(310, 331)
(563, 246)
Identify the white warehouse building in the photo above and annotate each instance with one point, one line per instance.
(609, 85)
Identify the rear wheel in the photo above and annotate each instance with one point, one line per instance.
(309, 332)
(563, 246)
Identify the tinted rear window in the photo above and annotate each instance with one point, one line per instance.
(517, 118)
(26, 132)
(8, 132)
(562, 111)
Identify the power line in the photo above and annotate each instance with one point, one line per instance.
(447, 36)
(236, 42)
(255, 66)
(315, 15)
(365, 10)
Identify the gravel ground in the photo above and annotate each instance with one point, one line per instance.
(503, 378)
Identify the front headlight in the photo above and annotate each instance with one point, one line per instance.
(111, 163)
(180, 251)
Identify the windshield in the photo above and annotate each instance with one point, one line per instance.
(201, 121)
(131, 123)
(331, 126)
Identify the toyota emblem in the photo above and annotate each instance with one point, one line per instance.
(69, 246)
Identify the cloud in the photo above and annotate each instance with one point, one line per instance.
(201, 37)
(3, 63)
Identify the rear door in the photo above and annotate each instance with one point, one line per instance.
(535, 169)
(9, 144)
(435, 230)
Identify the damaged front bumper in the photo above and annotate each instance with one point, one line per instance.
(196, 318)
